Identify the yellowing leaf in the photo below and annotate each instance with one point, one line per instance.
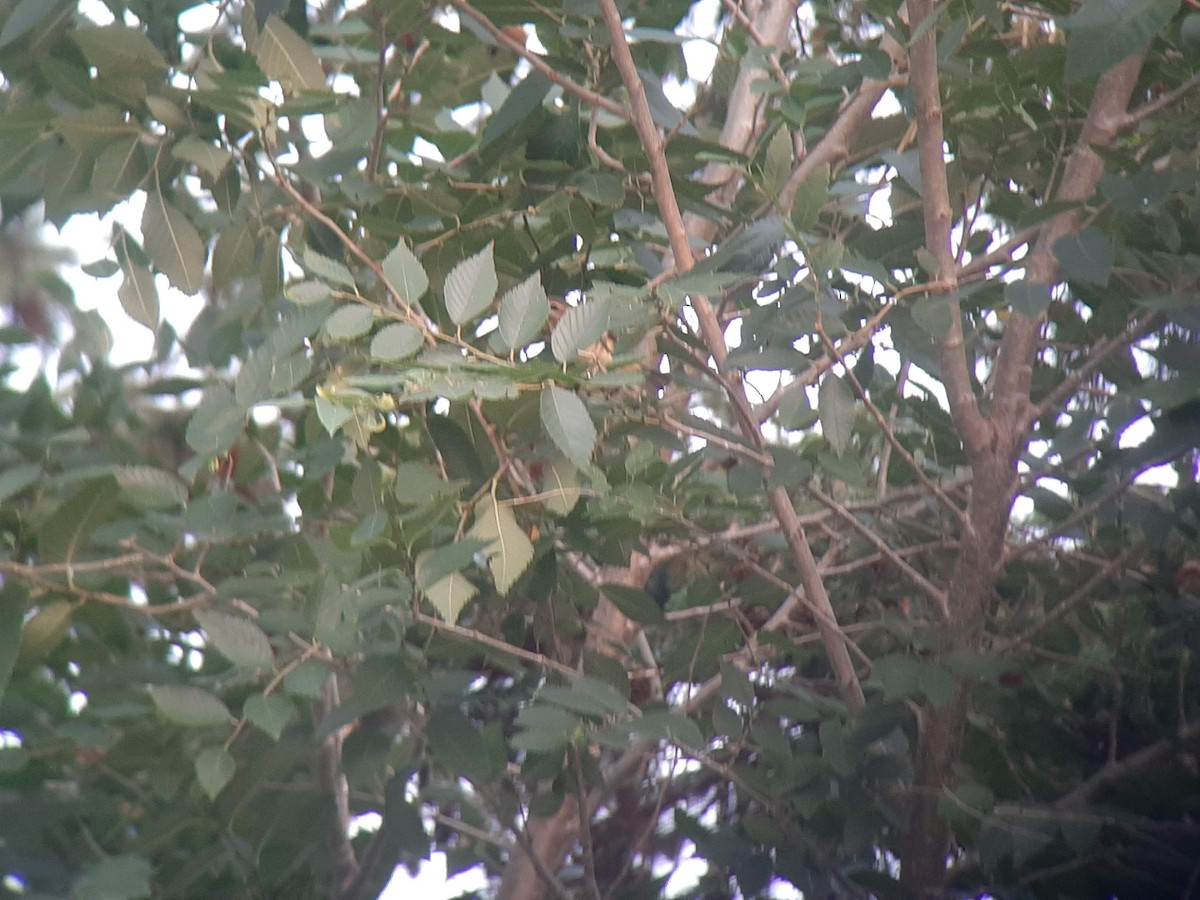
(450, 594)
(509, 551)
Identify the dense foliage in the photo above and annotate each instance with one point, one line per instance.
(587, 463)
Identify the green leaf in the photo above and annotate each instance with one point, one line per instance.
(1085, 256)
(471, 286)
(233, 256)
(285, 57)
(238, 639)
(139, 297)
(269, 712)
(601, 188)
(189, 706)
(207, 156)
(115, 878)
(120, 51)
(668, 726)
(634, 604)
(902, 676)
(836, 409)
(935, 315)
(14, 598)
(215, 767)
(1029, 298)
(458, 745)
(420, 483)
(151, 488)
(566, 420)
(777, 165)
(812, 194)
(44, 631)
(579, 328)
(509, 549)
(523, 312)
(328, 269)
(216, 423)
(406, 273)
(520, 103)
(433, 565)
(544, 729)
(26, 16)
(349, 322)
(395, 342)
(587, 696)
(65, 534)
(173, 244)
(450, 595)
(308, 293)
(119, 169)
(1104, 32)
(560, 486)
(13, 481)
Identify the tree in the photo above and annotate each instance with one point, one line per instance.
(583, 478)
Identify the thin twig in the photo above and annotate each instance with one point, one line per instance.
(539, 64)
(585, 824)
(888, 434)
(1084, 592)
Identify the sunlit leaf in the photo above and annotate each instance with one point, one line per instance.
(471, 286)
(450, 595)
(509, 550)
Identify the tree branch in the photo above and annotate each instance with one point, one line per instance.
(540, 65)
